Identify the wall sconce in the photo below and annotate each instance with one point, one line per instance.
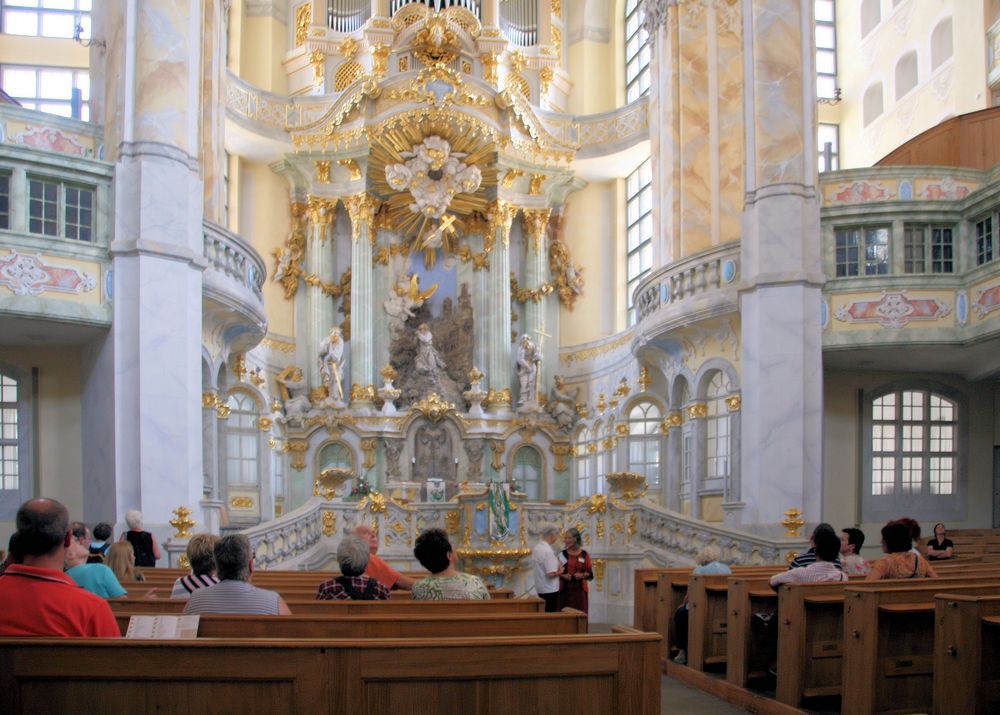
(78, 37)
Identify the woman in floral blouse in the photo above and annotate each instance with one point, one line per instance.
(434, 552)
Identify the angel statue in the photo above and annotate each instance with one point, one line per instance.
(562, 404)
(406, 297)
(331, 363)
(294, 393)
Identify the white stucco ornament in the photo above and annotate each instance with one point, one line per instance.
(433, 174)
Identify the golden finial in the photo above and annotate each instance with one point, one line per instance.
(183, 522)
(793, 522)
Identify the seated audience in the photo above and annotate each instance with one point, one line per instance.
(147, 551)
(708, 563)
(851, 541)
(352, 584)
(434, 552)
(36, 597)
(96, 578)
(810, 555)
(940, 547)
(900, 562)
(377, 567)
(233, 593)
(822, 569)
(101, 543)
(121, 560)
(201, 556)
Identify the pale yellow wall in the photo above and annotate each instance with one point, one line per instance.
(593, 62)
(264, 42)
(842, 448)
(956, 87)
(45, 51)
(60, 462)
(264, 222)
(592, 231)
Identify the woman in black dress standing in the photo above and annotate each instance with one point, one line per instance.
(147, 551)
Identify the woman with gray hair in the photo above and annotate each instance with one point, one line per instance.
(147, 551)
(352, 584)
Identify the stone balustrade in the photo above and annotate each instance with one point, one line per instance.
(228, 254)
(707, 277)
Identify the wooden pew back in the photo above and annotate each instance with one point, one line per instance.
(966, 657)
(312, 606)
(562, 675)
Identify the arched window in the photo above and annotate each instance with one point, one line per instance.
(871, 15)
(717, 428)
(637, 52)
(335, 455)
(242, 441)
(941, 44)
(639, 231)
(584, 463)
(872, 104)
(913, 452)
(688, 456)
(527, 471)
(644, 441)
(906, 74)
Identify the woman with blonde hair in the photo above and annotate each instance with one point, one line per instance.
(121, 559)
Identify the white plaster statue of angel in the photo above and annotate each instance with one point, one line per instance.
(294, 393)
(331, 363)
(562, 404)
(433, 174)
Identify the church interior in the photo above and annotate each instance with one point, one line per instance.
(652, 269)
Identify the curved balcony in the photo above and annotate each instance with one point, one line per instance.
(231, 289)
(695, 288)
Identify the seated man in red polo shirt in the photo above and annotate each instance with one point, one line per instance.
(379, 569)
(36, 597)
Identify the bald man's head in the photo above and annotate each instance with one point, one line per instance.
(42, 526)
(368, 534)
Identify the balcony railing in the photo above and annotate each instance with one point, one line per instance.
(228, 254)
(697, 275)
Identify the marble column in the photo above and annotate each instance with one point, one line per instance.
(491, 13)
(319, 262)
(150, 361)
(695, 415)
(672, 478)
(361, 208)
(211, 502)
(782, 397)
(544, 22)
(536, 223)
(497, 318)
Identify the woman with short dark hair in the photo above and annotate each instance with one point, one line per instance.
(899, 562)
(434, 552)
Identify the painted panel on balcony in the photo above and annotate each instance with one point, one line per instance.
(985, 299)
(33, 274)
(927, 188)
(894, 309)
(50, 138)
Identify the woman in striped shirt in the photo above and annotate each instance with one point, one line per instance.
(201, 554)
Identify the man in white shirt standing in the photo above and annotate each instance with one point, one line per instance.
(547, 568)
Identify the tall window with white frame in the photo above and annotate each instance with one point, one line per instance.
(637, 52)
(584, 463)
(828, 136)
(717, 430)
(984, 240)
(826, 49)
(639, 231)
(242, 441)
(914, 444)
(57, 90)
(46, 18)
(10, 463)
(644, 440)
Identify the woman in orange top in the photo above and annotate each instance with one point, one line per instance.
(900, 562)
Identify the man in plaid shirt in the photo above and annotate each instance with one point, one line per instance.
(352, 554)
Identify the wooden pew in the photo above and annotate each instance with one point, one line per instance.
(747, 657)
(966, 656)
(307, 607)
(143, 590)
(888, 645)
(413, 625)
(707, 620)
(811, 630)
(558, 675)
